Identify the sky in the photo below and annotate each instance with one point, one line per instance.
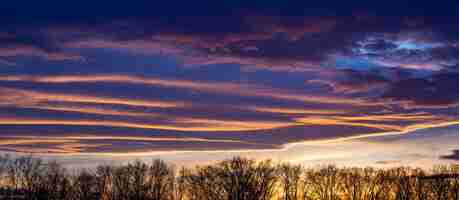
(105, 80)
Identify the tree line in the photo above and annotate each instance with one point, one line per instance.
(233, 179)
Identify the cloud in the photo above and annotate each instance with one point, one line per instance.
(352, 81)
(224, 88)
(180, 124)
(262, 74)
(263, 40)
(453, 156)
(101, 144)
(24, 97)
(438, 89)
(388, 162)
(383, 122)
(7, 63)
(378, 45)
(254, 124)
(14, 45)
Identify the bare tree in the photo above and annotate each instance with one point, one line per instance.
(180, 184)
(234, 179)
(290, 176)
(25, 173)
(203, 184)
(4, 162)
(104, 176)
(54, 181)
(264, 182)
(139, 173)
(454, 176)
(243, 179)
(439, 183)
(161, 180)
(122, 183)
(378, 185)
(421, 187)
(402, 183)
(85, 187)
(352, 184)
(324, 183)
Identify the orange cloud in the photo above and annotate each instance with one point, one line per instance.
(92, 110)
(226, 88)
(386, 122)
(21, 50)
(392, 117)
(331, 121)
(26, 97)
(88, 143)
(297, 111)
(193, 124)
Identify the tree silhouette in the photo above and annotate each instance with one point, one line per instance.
(238, 178)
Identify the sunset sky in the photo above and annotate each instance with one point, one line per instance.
(362, 83)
